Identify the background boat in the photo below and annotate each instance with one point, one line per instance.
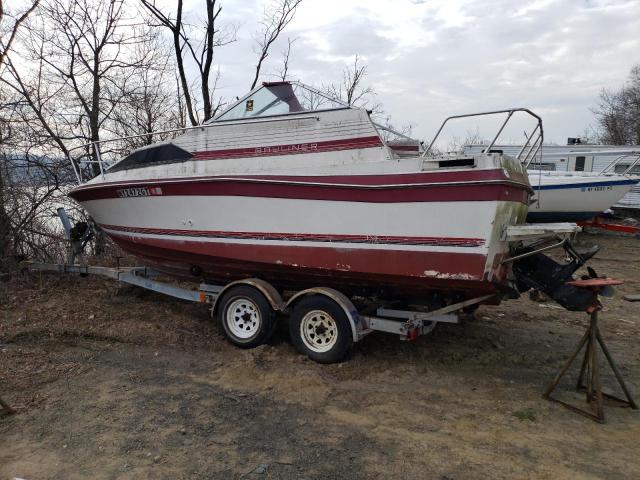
(578, 182)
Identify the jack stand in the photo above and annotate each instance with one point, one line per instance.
(78, 235)
(591, 339)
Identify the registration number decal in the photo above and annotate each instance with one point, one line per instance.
(596, 189)
(139, 192)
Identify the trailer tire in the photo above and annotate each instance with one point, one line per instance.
(320, 329)
(246, 317)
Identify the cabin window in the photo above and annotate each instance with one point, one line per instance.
(458, 162)
(622, 167)
(547, 166)
(580, 161)
(279, 98)
(155, 155)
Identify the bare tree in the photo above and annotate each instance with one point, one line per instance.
(149, 100)
(8, 35)
(75, 59)
(472, 137)
(197, 44)
(175, 26)
(33, 188)
(78, 54)
(9, 32)
(352, 83)
(5, 222)
(618, 112)
(87, 55)
(30, 181)
(286, 54)
(275, 19)
(352, 89)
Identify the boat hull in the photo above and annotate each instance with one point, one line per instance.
(560, 197)
(392, 273)
(400, 235)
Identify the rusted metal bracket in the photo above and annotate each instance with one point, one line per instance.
(534, 252)
(416, 323)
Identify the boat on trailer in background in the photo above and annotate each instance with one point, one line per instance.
(576, 195)
(289, 190)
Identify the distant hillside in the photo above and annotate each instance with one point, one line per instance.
(35, 170)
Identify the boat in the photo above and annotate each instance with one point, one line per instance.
(301, 190)
(575, 196)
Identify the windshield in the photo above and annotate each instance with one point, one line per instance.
(278, 98)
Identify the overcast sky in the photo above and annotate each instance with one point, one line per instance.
(430, 59)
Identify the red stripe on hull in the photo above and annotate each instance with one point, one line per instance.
(305, 237)
(394, 272)
(257, 187)
(290, 149)
(383, 180)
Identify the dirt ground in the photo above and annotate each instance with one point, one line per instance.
(111, 383)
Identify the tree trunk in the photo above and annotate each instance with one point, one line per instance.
(5, 226)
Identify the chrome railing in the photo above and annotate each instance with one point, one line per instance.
(617, 160)
(528, 151)
(98, 154)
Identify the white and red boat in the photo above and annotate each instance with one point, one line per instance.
(301, 190)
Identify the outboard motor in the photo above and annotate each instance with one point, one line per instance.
(542, 273)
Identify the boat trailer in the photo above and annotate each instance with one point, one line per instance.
(408, 324)
(532, 268)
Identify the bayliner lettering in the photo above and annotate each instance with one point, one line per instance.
(300, 147)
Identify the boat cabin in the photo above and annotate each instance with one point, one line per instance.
(285, 124)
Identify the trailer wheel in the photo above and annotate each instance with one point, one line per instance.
(320, 329)
(245, 316)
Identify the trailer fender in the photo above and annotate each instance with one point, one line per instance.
(357, 327)
(268, 290)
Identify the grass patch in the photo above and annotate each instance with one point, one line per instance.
(529, 415)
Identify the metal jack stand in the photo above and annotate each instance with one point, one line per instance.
(79, 235)
(591, 339)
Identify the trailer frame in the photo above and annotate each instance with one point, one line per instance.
(408, 324)
(324, 318)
